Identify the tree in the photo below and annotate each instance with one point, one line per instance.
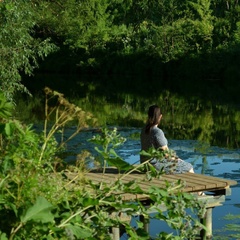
(80, 24)
(20, 51)
(167, 29)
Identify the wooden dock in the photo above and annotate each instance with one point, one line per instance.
(216, 189)
(193, 182)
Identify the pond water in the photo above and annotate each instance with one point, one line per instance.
(210, 160)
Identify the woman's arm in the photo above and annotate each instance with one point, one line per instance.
(165, 147)
(160, 140)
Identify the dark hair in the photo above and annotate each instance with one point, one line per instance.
(154, 113)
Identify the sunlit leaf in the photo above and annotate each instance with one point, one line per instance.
(79, 232)
(89, 201)
(119, 163)
(3, 236)
(159, 191)
(8, 129)
(40, 211)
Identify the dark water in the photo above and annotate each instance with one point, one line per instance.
(210, 160)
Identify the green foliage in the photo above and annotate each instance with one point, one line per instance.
(38, 212)
(90, 18)
(20, 50)
(169, 29)
(104, 35)
(40, 200)
(6, 107)
(62, 113)
(108, 141)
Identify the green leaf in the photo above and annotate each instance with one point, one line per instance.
(144, 153)
(158, 191)
(119, 163)
(113, 152)
(8, 129)
(40, 211)
(80, 233)
(3, 236)
(89, 201)
(188, 196)
(9, 7)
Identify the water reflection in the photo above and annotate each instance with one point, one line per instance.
(215, 125)
(184, 116)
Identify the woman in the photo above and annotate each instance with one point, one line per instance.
(152, 136)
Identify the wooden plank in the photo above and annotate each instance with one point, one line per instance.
(195, 185)
(191, 184)
(217, 181)
(172, 179)
(194, 182)
(134, 197)
(111, 178)
(199, 184)
(212, 178)
(108, 178)
(195, 176)
(142, 181)
(198, 179)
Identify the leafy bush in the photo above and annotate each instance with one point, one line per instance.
(20, 49)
